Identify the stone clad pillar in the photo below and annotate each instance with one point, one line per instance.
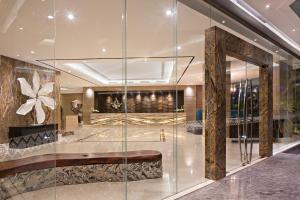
(218, 44)
(266, 110)
(215, 105)
(87, 104)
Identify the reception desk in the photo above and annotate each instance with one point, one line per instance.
(138, 118)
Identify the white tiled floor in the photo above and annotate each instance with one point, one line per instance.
(183, 162)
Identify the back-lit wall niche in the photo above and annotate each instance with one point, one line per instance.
(139, 101)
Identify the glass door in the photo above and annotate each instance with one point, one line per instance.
(242, 113)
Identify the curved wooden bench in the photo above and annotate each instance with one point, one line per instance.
(37, 172)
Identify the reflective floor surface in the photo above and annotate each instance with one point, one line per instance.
(183, 161)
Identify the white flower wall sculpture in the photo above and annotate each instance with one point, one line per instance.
(37, 95)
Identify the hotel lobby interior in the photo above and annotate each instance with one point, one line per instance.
(142, 99)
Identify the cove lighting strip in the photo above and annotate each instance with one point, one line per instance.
(87, 71)
(254, 14)
(91, 73)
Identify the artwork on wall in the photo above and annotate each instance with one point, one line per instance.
(38, 96)
(76, 107)
(116, 104)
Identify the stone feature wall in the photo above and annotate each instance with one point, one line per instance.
(219, 44)
(10, 94)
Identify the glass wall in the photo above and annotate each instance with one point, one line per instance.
(105, 99)
(29, 93)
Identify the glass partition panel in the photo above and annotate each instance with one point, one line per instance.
(90, 57)
(152, 95)
(29, 111)
(285, 104)
(191, 27)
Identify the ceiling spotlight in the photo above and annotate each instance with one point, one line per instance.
(268, 6)
(179, 48)
(223, 22)
(70, 16)
(21, 28)
(255, 39)
(103, 50)
(276, 51)
(18, 55)
(294, 30)
(32, 52)
(169, 13)
(50, 17)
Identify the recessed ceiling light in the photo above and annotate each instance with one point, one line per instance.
(294, 30)
(168, 12)
(223, 22)
(276, 51)
(21, 28)
(50, 17)
(179, 48)
(70, 16)
(103, 50)
(255, 39)
(266, 23)
(268, 6)
(32, 52)
(18, 55)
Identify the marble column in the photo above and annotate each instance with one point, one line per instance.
(87, 104)
(215, 105)
(266, 110)
(218, 44)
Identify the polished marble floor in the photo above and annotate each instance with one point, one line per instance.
(276, 178)
(183, 161)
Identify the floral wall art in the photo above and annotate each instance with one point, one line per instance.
(13, 100)
(38, 96)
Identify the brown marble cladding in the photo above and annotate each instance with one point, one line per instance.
(218, 44)
(11, 98)
(266, 111)
(215, 108)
